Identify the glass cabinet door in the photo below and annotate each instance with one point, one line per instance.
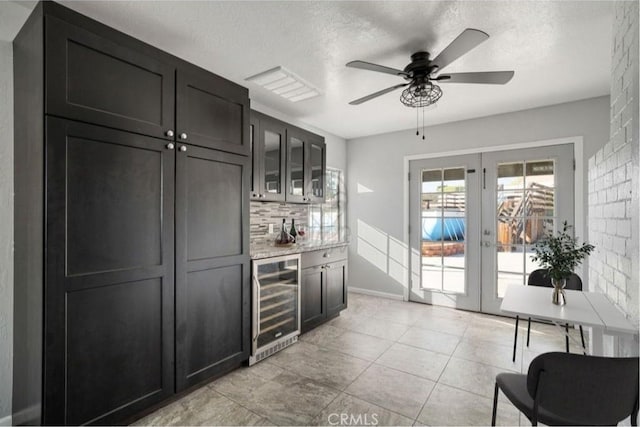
(317, 159)
(255, 159)
(273, 146)
(296, 173)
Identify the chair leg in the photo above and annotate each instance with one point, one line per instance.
(566, 337)
(584, 347)
(495, 405)
(515, 339)
(528, 330)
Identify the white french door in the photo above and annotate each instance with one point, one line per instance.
(444, 231)
(474, 219)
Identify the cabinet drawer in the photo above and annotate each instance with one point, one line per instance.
(324, 256)
(95, 80)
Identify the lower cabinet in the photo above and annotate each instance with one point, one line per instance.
(324, 287)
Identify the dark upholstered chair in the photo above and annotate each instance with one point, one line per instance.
(573, 389)
(541, 277)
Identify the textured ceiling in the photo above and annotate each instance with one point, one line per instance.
(559, 50)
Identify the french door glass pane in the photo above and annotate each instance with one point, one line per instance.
(443, 223)
(525, 210)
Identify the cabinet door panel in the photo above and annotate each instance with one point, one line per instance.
(108, 319)
(317, 169)
(114, 338)
(296, 166)
(213, 329)
(256, 157)
(92, 79)
(336, 287)
(214, 208)
(212, 112)
(314, 300)
(108, 228)
(212, 264)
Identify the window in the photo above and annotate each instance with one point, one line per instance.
(326, 220)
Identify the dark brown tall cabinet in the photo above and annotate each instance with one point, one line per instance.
(131, 230)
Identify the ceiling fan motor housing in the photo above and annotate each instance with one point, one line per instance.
(420, 66)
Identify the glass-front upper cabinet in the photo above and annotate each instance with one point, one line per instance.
(317, 165)
(268, 158)
(306, 166)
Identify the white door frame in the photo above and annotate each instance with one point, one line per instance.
(578, 200)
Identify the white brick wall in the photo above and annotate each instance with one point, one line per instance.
(614, 217)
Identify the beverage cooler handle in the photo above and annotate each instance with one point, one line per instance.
(256, 306)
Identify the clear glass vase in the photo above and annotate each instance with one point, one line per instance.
(559, 297)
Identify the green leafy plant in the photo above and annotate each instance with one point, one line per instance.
(560, 253)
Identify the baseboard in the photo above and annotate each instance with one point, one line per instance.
(6, 421)
(376, 293)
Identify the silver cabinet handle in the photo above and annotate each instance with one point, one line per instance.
(328, 266)
(256, 308)
(169, 133)
(170, 146)
(183, 135)
(183, 148)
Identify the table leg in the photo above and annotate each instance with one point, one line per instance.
(596, 343)
(515, 339)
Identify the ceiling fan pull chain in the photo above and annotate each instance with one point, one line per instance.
(423, 122)
(417, 123)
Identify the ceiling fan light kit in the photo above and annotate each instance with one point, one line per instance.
(421, 73)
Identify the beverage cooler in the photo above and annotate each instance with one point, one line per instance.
(276, 305)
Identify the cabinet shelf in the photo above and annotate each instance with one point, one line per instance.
(276, 315)
(277, 304)
(262, 276)
(277, 325)
(283, 283)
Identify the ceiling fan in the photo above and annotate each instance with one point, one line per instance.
(422, 72)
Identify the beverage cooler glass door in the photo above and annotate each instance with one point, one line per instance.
(276, 300)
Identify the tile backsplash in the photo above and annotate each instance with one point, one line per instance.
(264, 213)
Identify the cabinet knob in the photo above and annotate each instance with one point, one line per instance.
(183, 135)
(254, 195)
(327, 266)
(170, 146)
(262, 196)
(326, 255)
(183, 148)
(169, 133)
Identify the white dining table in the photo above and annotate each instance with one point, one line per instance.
(590, 309)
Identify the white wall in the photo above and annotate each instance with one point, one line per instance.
(6, 230)
(375, 166)
(336, 146)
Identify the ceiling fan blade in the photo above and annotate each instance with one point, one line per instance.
(363, 65)
(462, 44)
(377, 94)
(486, 77)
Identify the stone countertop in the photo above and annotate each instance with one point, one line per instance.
(269, 250)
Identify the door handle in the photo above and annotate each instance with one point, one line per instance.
(256, 306)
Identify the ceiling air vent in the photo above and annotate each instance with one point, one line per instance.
(285, 83)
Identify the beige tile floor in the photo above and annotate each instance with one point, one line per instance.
(381, 362)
